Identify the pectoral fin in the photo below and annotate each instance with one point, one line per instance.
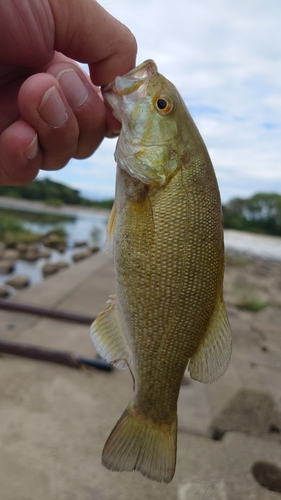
(212, 356)
(108, 336)
(110, 228)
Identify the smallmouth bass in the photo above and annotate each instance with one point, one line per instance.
(166, 228)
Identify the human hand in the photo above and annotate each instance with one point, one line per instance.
(50, 110)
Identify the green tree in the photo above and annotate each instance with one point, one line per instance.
(53, 193)
(261, 213)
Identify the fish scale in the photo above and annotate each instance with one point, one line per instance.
(167, 235)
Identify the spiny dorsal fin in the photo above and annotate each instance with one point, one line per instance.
(108, 336)
(212, 356)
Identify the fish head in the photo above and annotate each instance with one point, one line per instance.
(151, 143)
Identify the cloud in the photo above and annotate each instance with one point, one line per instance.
(225, 59)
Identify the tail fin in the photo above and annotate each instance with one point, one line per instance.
(138, 443)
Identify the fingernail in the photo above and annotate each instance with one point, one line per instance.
(113, 133)
(52, 109)
(32, 150)
(73, 87)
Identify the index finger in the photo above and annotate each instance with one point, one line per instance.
(88, 33)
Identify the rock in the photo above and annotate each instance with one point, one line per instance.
(11, 254)
(6, 266)
(31, 255)
(22, 247)
(80, 243)
(62, 264)
(51, 234)
(81, 255)
(94, 248)
(19, 281)
(30, 252)
(4, 292)
(59, 245)
(268, 475)
(49, 269)
(44, 253)
(56, 241)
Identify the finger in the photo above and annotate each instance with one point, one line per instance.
(8, 103)
(83, 31)
(88, 33)
(88, 108)
(43, 105)
(113, 126)
(20, 155)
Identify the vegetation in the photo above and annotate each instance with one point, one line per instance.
(13, 232)
(235, 259)
(52, 193)
(37, 217)
(248, 297)
(259, 214)
(251, 304)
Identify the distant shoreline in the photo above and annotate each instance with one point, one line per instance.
(38, 206)
(253, 244)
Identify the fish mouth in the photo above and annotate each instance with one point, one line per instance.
(134, 83)
(130, 82)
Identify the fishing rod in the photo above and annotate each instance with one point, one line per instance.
(9, 305)
(67, 358)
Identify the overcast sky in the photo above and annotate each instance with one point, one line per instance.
(224, 56)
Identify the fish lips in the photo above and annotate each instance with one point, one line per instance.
(133, 84)
(114, 103)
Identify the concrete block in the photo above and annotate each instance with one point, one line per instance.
(194, 416)
(242, 453)
(204, 490)
(57, 289)
(249, 411)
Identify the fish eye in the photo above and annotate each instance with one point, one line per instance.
(164, 104)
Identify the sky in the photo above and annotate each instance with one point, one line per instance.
(224, 57)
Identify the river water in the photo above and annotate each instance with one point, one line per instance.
(86, 226)
(90, 226)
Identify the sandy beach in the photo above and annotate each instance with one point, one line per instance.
(38, 206)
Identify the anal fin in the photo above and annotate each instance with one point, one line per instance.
(212, 356)
(108, 336)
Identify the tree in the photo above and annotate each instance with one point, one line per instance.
(261, 213)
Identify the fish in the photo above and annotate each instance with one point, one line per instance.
(166, 232)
